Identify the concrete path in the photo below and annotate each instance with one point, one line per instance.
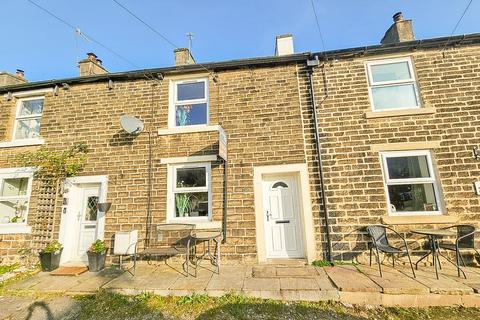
(358, 284)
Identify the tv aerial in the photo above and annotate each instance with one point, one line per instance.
(131, 124)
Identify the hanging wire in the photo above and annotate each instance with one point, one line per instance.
(318, 25)
(83, 34)
(457, 24)
(159, 34)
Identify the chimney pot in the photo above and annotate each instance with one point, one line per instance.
(20, 74)
(91, 65)
(398, 17)
(401, 30)
(91, 56)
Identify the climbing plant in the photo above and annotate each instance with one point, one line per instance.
(56, 164)
(52, 168)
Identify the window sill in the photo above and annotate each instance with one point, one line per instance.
(22, 143)
(188, 129)
(205, 224)
(424, 219)
(399, 113)
(12, 228)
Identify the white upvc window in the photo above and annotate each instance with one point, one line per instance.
(189, 103)
(189, 192)
(28, 118)
(15, 192)
(392, 84)
(410, 183)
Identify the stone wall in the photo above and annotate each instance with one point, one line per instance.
(257, 107)
(449, 83)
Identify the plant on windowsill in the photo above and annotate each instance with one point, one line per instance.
(182, 202)
(97, 254)
(50, 256)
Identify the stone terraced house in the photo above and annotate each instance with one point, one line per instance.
(396, 126)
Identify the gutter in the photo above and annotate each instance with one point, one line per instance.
(311, 64)
(161, 72)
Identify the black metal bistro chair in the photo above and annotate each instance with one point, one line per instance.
(378, 234)
(465, 241)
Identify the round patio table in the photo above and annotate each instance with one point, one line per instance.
(433, 236)
(208, 237)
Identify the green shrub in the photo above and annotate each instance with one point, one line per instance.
(52, 247)
(98, 247)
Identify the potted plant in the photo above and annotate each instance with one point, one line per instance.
(96, 256)
(50, 256)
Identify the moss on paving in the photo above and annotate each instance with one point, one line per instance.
(106, 306)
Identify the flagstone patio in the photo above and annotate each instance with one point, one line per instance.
(353, 284)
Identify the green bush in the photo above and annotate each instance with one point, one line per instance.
(52, 247)
(98, 247)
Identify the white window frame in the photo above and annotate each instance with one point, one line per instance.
(27, 172)
(172, 123)
(172, 190)
(379, 84)
(431, 179)
(19, 117)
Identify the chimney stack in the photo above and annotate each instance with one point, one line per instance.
(91, 65)
(183, 57)
(8, 79)
(284, 45)
(401, 30)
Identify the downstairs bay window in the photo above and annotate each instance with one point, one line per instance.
(189, 194)
(15, 191)
(410, 183)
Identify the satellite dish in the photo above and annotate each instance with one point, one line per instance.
(131, 124)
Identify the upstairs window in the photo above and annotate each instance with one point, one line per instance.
(410, 183)
(392, 84)
(190, 103)
(28, 117)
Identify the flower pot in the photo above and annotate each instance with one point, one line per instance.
(96, 261)
(50, 260)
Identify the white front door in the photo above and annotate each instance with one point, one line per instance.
(84, 220)
(282, 217)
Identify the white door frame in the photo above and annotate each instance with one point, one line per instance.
(300, 171)
(67, 212)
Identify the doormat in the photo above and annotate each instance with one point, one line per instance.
(68, 271)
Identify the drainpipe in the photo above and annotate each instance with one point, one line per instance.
(311, 64)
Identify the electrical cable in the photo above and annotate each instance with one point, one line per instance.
(457, 24)
(77, 30)
(159, 34)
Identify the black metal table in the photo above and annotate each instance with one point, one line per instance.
(434, 235)
(208, 237)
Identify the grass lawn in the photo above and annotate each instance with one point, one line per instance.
(107, 306)
(7, 268)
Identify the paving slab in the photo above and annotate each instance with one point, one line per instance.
(347, 278)
(230, 282)
(442, 285)
(393, 281)
(147, 281)
(264, 272)
(298, 284)
(306, 271)
(261, 284)
(193, 284)
(323, 281)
